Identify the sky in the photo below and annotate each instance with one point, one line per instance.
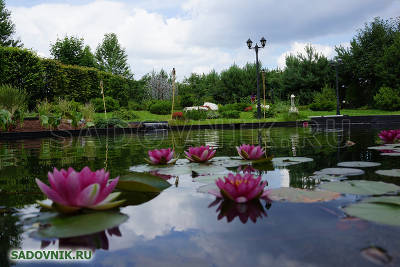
(198, 35)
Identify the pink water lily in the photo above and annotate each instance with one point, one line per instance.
(71, 190)
(390, 136)
(200, 154)
(161, 156)
(240, 188)
(250, 152)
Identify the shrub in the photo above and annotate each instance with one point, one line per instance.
(5, 119)
(187, 100)
(178, 116)
(66, 107)
(325, 100)
(88, 112)
(161, 107)
(125, 114)
(234, 106)
(269, 112)
(132, 105)
(12, 99)
(196, 114)
(387, 99)
(110, 123)
(111, 104)
(230, 114)
(212, 114)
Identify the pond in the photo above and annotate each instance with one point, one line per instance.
(182, 226)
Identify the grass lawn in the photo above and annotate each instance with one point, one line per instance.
(247, 117)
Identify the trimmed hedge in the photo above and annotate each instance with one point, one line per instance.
(47, 78)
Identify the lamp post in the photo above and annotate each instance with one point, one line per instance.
(256, 47)
(336, 64)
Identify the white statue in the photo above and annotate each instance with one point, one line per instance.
(293, 108)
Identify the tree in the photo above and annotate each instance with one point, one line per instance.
(7, 28)
(111, 57)
(72, 51)
(368, 62)
(306, 74)
(159, 86)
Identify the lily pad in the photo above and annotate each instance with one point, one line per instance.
(392, 154)
(142, 182)
(206, 168)
(340, 171)
(228, 162)
(208, 187)
(385, 147)
(393, 172)
(297, 195)
(174, 170)
(328, 177)
(360, 187)
(78, 225)
(207, 179)
(393, 200)
(359, 164)
(384, 213)
(288, 161)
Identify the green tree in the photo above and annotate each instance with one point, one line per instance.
(7, 28)
(112, 58)
(306, 74)
(367, 63)
(72, 51)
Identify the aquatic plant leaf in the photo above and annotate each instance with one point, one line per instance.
(288, 161)
(385, 147)
(328, 177)
(376, 255)
(200, 168)
(207, 188)
(206, 179)
(392, 154)
(359, 164)
(300, 195)
(376, 212)
(78, 225)
(142, 182)
(393, 172)
(360, 187)
(394, 200)
(340, 171)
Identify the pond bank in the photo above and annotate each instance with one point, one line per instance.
(376, 121)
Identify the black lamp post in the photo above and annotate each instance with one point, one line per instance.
(336, 64)
(256, 47)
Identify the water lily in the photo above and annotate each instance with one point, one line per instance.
(200, 154)
(390, 136)
(240, 188)
(250, 152)
(71, 190)
(161, 156)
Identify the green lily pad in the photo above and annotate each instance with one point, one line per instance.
(207, 179)
(328, 177)
(340, 171)
(228, 162)
(393, 172)
(137, 198)
(142, 182)
(206, 188)
(78, 225)
(394, 200)
(288, 161)
(200, 168)
(384, 213)
(360, 187)
(359, 164)
(297, 195)
(174, 170)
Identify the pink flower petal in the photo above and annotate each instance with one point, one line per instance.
(50, 193)
(88, 196)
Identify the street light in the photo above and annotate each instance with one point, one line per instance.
(336, 64)
(256, 47)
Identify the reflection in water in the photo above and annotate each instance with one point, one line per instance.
(252, 210)
(94, 241)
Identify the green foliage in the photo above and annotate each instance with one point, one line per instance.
(50, 120)
(66, 107)
(110, 123)
(125, 114)
(325, 100)
(161, 107)
(7, 27)
(235, 106)
(187, 100)
(72, 51)
(387, 99)
(111, 104)
(371, 61)
(112, 58)
(75, 118)
(306, 74)
(269, 113)
(196, 114)
(46, 78)
(133, 105)
(211, 114)
(294, 116)
(230, 114)
(5, 119)
(88, 112)
(12, 99)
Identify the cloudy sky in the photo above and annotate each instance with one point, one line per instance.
(197, 35)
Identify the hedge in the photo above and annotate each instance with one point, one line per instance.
(47, 78)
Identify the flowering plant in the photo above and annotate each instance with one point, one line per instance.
(161, 156)
(250, 152)
(200, 154)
